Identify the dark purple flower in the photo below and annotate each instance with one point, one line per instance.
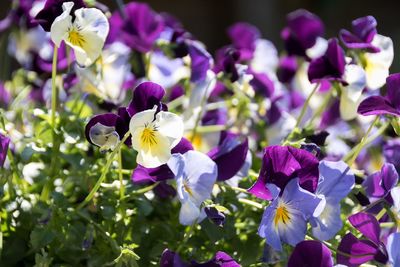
(329, 67)
(381, 105)
(100, 130)
(310, 253)
(221, 259)
(52, 9)
(143, 175)
(283, 163)
(379, 184)
(141, 27)
(4, 143)
(5, 96)
(226, 60)
(229, 155)
(287, 69)
(363, 32)
(145, 96)
(216, 216)
(262, 84)
(362, 250)
(215, 117)
(244, 37)
(201, 61)
(331, 115)
(164, 190)
(302, 32)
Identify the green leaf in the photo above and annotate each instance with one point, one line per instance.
(41, 237)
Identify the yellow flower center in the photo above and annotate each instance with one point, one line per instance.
(187, 188)
(76, 38)
(148, 136)
(282, 215)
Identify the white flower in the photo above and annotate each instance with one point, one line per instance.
(86, 34)
(154, 135)
(351, 95)
(377, 64)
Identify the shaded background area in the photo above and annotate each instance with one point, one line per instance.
(209, 19)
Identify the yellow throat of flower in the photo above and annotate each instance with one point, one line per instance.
(148, 136)
(282, 215)
(76, 38)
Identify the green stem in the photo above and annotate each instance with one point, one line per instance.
(121, 176)
(380, 214)
(304, 108)
(187, 236)
(350, 159)
(54, 92)
(250, 202)
(104, 173)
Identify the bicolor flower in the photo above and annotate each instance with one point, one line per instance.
(280, 165)
(154, 134)
(335, 181)
(101, 131)
(310, 253)
(363, 32)
(360, 251)
(380, 184)
(85, 34)
(384, 105)
(393, 248)
(285, 219)
(195, 175)
(4, 143)
(302, 32)
(221, 259)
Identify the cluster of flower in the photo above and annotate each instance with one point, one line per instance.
(201, 125)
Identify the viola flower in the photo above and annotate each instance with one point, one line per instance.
(244, 37)
(52, 9)
(195, 175)
(280, 165)
(4, 143)
(329, 67)
(285, 219)
(362, 250)
(86, 34)
(363, 32)
(388, 105)
(154, 134)
(229, 155)
(393, 248)
(302, 33)
(380, 184)
(101, 131)
(335, 182)
(215, 215)
(310, 253)
(221, 259)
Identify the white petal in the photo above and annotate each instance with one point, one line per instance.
(189, 213)
(155, 155)
(90, 50)
(348, 107)
(171, 126)
(92, 20)
(60, 26)
(395, 193)
(140, 119)
(318, 49)
(265, 57)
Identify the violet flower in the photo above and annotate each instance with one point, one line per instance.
(4, 144)
(360, 251)
(215, 215)
(302, 32)
(285, 219)
(384, 105)
(221, 259)
(54, 8)
(280, 165)
(329, 67)
(229, 155)
(310, 253)
(363, 32)
(244, 37)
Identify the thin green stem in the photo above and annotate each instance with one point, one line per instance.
(103, 174)
(351, 158)
(250, 202)
(54, 91)
(121, 176)
(380, 214)
(305, 106)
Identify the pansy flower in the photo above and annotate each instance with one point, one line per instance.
(244, 37)
(195, 175)
(310, 253)
(384, 105)
(280, 165)
(85, 34)
(221, 259)
(358, 251)
(154, 134)
(4, 143)
(285, 219)
(363, 32)
(335, 181)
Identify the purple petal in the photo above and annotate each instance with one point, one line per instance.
(171, 259)
(217, 217)
(244, 36)
(361, 251)
(367, 225)
(393, 90)
(364, 30)
(145, 96)
(200, 62)
(262, 84)
(377, 105)
(380, 183)
(287, 69)
(107, 119)
(311, 254)
(4, 144)
(331, 115)
(391, 151)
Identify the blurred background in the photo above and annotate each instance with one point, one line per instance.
(209, 19)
